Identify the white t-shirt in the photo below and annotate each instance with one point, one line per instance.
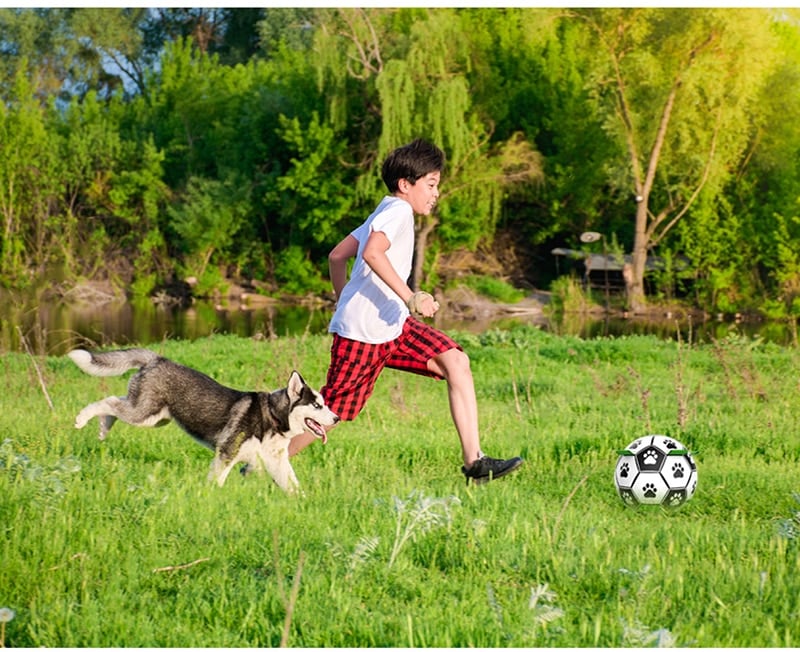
(368, 310)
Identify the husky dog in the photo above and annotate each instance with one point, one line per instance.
(250, 427)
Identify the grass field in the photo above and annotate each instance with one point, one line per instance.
(124, 543)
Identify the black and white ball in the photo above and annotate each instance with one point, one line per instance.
(655, 470)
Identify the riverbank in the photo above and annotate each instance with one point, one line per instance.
(96, 315)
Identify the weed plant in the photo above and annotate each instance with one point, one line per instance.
(124, 543)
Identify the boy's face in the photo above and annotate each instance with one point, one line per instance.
(423, 194)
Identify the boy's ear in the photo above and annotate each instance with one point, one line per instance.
(403, 185)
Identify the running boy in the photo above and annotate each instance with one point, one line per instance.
(372, 326)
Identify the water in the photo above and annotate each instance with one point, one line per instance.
(687, 330)
(54, 327)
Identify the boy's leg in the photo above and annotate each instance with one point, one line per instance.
(442, 357)
(299, 442)
(423, 349)
(454, 367)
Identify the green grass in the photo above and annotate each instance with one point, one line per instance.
(125, 543)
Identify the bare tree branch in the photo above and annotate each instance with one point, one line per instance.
(369, 54)
(655, 239)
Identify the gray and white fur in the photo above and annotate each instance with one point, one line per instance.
(250, 427)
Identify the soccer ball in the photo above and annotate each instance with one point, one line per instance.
(655, 470)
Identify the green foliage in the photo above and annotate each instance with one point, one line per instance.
(494, 288)
(296, 274)
(568, 295)
(667, 87)
(27, 181)
(787, 259)
(311, 198)
(146, 281)
(40, 41)
(719, 254)
(697, 51)
(122, 181)
(208, 222)
(277, 121)
(535, 80)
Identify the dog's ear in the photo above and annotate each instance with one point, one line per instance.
(296, 384)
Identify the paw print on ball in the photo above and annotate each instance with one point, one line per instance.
(677, 470)
(649, 490)
(650, 458)
(677, 498)
(624, 470)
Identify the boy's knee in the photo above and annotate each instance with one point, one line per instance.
(456, 362)
(463, 359)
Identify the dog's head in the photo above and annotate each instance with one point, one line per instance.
(305, 410)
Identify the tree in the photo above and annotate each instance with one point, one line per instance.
(208, 220)
(528, 75)
(413, 69)
(310, 198)
(36, 42)
(230, 33)
(28, 179)
(70, 52)
(113, 40)
(767, 189)
(676, 88)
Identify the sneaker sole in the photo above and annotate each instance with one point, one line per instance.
(490, 477)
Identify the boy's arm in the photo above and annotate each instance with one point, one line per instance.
(337, 262)
(375, 256)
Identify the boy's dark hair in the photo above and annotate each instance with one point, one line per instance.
(411, 162)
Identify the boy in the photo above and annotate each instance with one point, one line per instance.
(372, 326)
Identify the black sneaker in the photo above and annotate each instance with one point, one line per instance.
(488, 468)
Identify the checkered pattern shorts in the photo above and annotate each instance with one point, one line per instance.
(355, 366)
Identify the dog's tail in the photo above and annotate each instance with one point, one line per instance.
(111, 363)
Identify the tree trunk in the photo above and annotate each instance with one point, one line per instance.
(634, 273)
(427, 225)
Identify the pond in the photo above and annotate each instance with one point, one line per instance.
(55, 327)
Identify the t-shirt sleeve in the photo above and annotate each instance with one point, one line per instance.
(391, 222)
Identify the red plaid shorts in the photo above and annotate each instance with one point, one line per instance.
(355, 366)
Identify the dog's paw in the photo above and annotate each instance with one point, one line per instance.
(296, 491)
(106, 421)
(81, 420)
(291, 486)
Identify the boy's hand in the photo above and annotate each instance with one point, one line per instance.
(423, 304)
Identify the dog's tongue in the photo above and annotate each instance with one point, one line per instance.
(317, 429)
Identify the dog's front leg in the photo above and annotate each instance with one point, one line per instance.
(228, 450)
(274, 452)
(220, 469)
